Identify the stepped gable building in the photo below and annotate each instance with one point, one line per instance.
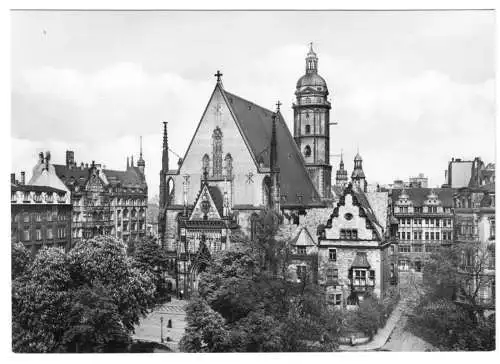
(312, 125)
(106, 201)
(41, 209)
(242, 159)
(425, 222)
(356, 252)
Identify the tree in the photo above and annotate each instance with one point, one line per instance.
(255, 307)
(40, 301)
(88, 300)
(151, 258)
(205, 331)
(451, 314)
(20, 258)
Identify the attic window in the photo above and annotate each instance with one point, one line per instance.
(301, 250)
(348, 216)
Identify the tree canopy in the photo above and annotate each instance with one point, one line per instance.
(87, 300)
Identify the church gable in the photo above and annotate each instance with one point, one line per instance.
(94, 183)
(206, 205)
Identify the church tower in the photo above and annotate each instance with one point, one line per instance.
(341, 179)
(311, 125)
(358, 176)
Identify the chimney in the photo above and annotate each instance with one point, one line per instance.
(86, 165)
(23, 178)
(70, 158)
(81, 165)
(13, 178)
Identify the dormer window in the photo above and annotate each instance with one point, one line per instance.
(301, 250)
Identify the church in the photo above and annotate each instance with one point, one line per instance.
(243, 159)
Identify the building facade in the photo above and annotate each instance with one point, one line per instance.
(105, 201)
(475, 224)
(356, 248)
(425, 223)
(312, 125)
(40, 215)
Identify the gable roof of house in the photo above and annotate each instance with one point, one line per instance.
(303, 238)
(360, 261)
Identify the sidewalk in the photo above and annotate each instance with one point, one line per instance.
(382, 334)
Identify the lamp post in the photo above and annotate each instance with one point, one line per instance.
(161, 329)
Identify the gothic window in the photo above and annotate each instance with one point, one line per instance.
(229, 165)
(308, 129)
(253, 226)
(217, 152)
(266, 191)
(307, 151)
(205, 163)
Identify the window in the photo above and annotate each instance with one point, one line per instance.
(492, 229)
(301, 272)
(26, 217)
(49, 234)
(427, 236)
(61, 232)
(349, 234)
(307, 151)
(332, 254)
(392, 270)
(38, 216)
(335, 299)
(301, 250)
(392, 249)
(332, 275)
(404, 248)
(417, 248)
(426, 222)
(228, 160)
(371, 277)
(26, 234)
(205, 162)
(217, 152)
(408, 236)
(415, 235)
(359, 277)
(38, 233)
(432, 235)
(408, 222)
(308, 129)
(437, 236)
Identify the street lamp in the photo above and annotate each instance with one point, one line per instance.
(161, 329)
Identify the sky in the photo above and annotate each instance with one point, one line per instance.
(410, 89)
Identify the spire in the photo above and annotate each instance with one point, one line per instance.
(127, 163)
(341, 159)
(311, 61)
(141, 163)
(164, 160)
(275, 185)
(273, 142)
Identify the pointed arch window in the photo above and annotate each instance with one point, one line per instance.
(228, 160)
(307, 151)
(308, 129)
(205, 163)
(217, 152)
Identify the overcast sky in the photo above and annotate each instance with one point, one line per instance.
(411, 89)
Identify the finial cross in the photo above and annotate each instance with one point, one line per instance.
(218, 75)
(278, 104)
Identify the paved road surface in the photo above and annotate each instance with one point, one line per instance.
(150, 327)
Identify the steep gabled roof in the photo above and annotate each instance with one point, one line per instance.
(360, 261)
(132, 177)
(303, 238)
(256, 123)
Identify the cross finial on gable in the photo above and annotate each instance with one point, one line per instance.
(218, 75)
(278, 104)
